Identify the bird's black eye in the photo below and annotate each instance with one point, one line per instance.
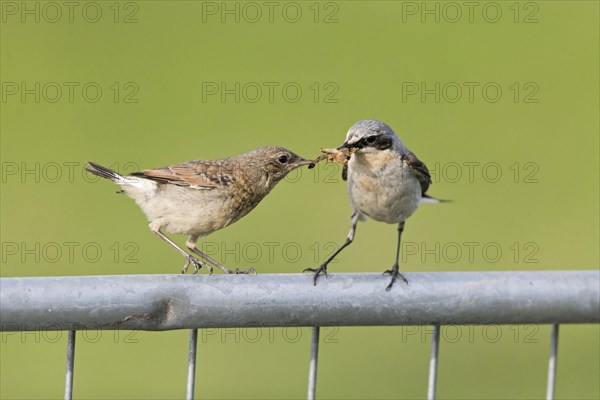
(371, 139)
(282, 159)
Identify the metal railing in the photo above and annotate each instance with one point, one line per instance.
(167, 302)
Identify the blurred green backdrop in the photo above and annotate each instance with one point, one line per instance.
(499, 99)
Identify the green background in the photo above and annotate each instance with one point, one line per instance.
(368, 53)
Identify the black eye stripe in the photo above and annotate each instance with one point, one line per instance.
(379, 142)
(383, 142)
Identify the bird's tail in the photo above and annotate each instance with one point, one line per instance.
(106, 173)
(428, 199)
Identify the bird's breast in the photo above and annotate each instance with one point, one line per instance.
(385, 192)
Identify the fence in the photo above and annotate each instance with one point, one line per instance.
(166, 302)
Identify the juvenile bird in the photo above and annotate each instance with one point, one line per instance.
(386, 182)
(199, 197)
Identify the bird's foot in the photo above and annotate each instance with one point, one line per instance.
(196, 263)
(395, 274)
(318, 271)
(250, 270)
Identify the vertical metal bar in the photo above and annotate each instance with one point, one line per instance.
(314, 358)
(70, 366)
(552, 363)
(433, 363)
(191, 378)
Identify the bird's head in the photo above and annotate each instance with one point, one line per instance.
(370, 136)
(276, 162)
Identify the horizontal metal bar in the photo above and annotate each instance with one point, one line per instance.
(162, 302)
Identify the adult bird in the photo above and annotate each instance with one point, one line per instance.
(386, 182)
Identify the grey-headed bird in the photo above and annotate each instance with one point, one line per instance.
(199, 197)
(386, 182)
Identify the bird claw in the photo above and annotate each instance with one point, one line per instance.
(248, 271)
(238, 271)
(196, 263)
(395, 274)
(318, 271)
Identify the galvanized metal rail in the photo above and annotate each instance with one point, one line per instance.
(164, 302)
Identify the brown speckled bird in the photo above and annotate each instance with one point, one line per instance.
(199, 197)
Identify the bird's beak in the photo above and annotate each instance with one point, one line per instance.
(348, 146)
(303, 161)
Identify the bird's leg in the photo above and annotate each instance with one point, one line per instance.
(323, 267)
(394, 271)
(191, 244)
(190, 259)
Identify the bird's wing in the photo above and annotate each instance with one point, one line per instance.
(419, 169)
(194, 174)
